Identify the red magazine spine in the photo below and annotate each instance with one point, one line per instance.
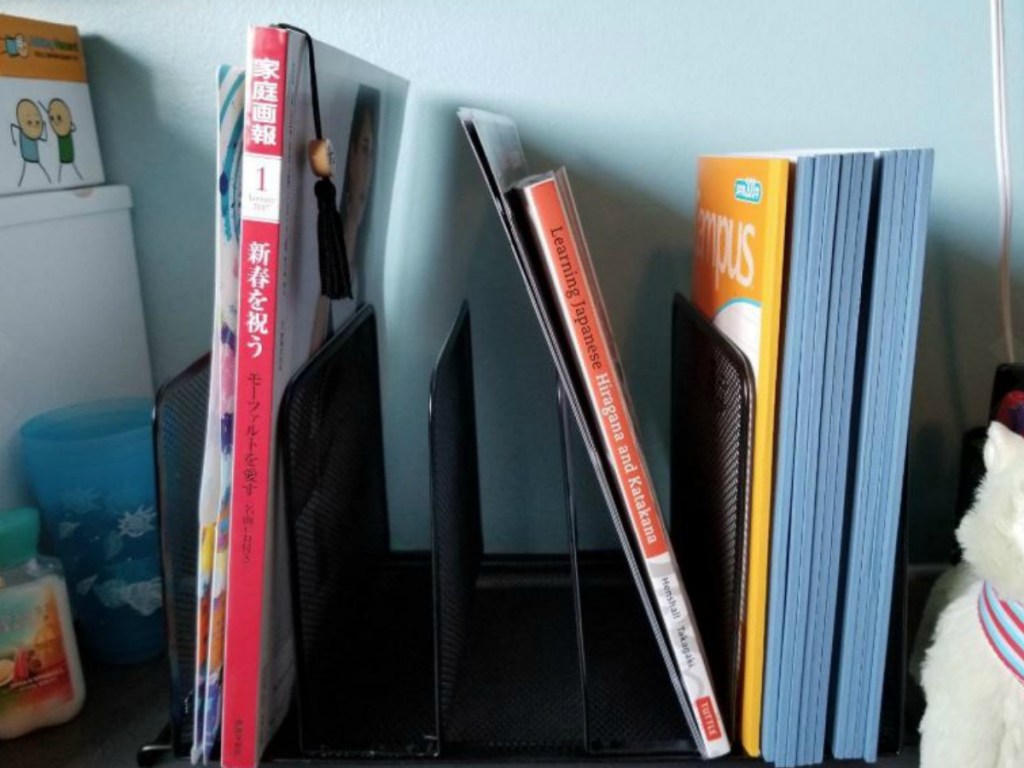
(260, 244)
(581, 313)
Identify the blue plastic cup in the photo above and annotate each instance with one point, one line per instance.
(120, 617)
(91, 469)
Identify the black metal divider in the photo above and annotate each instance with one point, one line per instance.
(712, 428)
(456, 530)
(508, 670)
(452, 653)
(630, 707)
(179, 431)
(363, 619)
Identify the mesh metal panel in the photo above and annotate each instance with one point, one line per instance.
(455, 500)
(712, 401)
(621, 660)
(631, 706)
(363, 618)
(519, 687)
(179, 436)
(508, 677)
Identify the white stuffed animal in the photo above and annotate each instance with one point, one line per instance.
(973, 674)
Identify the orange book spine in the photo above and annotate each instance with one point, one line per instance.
(259, 246)
(581, 313)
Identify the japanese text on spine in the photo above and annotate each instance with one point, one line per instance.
(257, 278)
(263, 115)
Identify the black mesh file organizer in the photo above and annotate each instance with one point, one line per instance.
(452, 655)
(179, 433)
(712, 432)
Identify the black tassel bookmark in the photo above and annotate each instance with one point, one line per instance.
(335, 281)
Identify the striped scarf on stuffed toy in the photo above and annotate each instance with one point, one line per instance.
(1002, 622)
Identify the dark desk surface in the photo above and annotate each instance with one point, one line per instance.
(124, 708)
(127, 706)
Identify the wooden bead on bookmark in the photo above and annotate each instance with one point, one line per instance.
(322, 159)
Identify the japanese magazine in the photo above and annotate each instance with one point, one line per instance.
(281, 324)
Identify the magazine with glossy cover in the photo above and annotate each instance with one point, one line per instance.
(283, 318)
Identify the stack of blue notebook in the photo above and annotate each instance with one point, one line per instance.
(856, 252)
(881, 445)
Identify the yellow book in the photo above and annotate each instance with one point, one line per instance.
(737, 282)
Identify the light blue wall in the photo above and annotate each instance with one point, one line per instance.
(626, 94)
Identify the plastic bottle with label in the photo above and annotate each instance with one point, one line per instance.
(41, 679)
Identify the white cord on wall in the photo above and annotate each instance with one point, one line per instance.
(1002, 173)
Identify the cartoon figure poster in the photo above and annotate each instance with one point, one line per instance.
(50, 139)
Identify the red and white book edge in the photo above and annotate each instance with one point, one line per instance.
(252, 476)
